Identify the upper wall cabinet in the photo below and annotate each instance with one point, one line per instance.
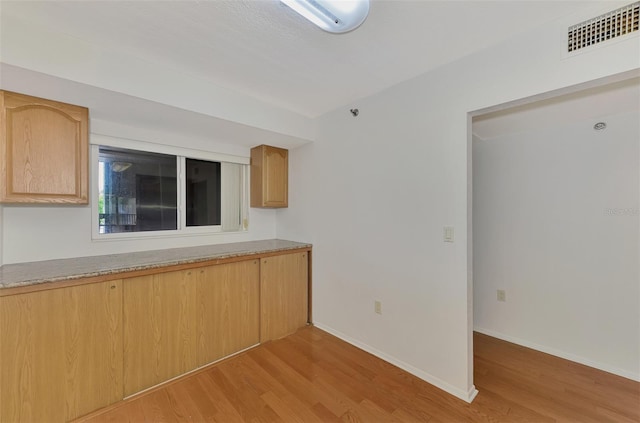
(269, 177)
(43, 151)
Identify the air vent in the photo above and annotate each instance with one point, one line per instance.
(605, 27)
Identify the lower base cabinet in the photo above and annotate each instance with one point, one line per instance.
(228, 297)
(284, 294)
(60, 352)
(175, 322)
(66, 352)
(159, 328)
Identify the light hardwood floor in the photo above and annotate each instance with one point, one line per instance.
(312, 376)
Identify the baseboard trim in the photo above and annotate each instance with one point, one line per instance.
(438, 383)
(567, 356)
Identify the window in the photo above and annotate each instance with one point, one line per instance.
(203, 193)
(137, 191)
(145, 193)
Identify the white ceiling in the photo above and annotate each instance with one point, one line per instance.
(265, 50)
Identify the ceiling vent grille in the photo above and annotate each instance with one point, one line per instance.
(605, 27)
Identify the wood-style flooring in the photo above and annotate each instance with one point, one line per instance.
(312, 376)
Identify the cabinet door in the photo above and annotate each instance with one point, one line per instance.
(44, 148)
(283, 295)
(159, 328)
(269, 177)
(228, 309)
(60, 352)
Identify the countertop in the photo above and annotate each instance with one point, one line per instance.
(24, 274)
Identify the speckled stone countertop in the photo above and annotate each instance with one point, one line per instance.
(24, 274)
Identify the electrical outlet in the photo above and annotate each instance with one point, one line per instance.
(502, 295)
(377, 306)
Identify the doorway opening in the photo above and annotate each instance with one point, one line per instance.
(555, 231)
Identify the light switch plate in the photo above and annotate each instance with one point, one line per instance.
(502, 295)
(448, 234)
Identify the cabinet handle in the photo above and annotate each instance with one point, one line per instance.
(113, 287)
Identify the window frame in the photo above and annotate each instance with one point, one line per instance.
(181, 155)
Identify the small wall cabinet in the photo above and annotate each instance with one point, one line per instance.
(269, 177)
(43, 151)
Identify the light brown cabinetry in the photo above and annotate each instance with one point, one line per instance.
(66, 352)
(43, 150)
(283, 295)
(175, 322)
(228, 297)
(159, 328)
(60, 352)
(269, 177)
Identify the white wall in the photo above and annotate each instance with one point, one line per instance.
(44, 233)
(374, 192)
(556, 225)
(38, 233)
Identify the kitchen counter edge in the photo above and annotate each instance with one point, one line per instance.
(56, 272)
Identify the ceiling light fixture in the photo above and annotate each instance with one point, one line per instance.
(335, 16)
